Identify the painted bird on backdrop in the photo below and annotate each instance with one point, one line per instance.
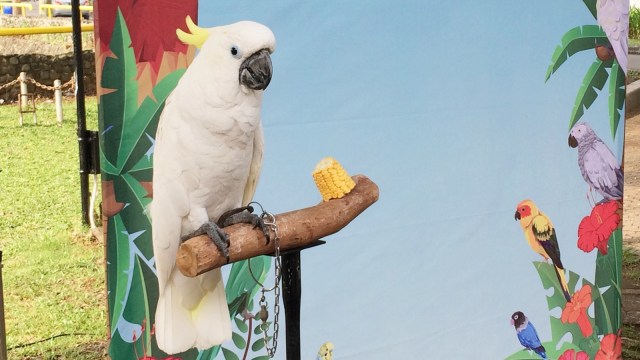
(541, 237)
(527, 334)
(600, 169)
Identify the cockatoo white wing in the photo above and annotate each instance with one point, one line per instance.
(613, 16)
(255, 167)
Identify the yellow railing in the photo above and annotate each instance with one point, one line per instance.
(51, 7)
(23, 6)
(41, 30)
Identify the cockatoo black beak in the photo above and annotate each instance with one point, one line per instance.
(256, 70)
(572, 141)
(517, 215)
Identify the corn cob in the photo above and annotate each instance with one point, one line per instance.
(332, 180)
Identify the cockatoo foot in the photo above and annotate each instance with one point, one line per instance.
(217, 235)
(244, 215)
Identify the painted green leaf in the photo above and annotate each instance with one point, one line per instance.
(238, 304)
(242, 326)
(121, 241)
(240, 280)
(118, 75)
(141, 197)
(144, 123)
(209, 354)
(106, 168)
(229, 355)
(258, 344)
(261, 357)
(261, 327)
(549, 346)
(575, 40)
(549, 280)
(608, 308)
(140, 297)
(238, 340)
(556, 300)
(594, 79)
(591, 5)
(616, 96)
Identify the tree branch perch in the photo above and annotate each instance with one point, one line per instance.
(296, 229)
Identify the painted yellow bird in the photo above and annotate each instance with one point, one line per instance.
(541, 236)
(325, 352)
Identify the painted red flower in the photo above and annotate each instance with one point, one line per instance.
(572, 355)
(594, 230)
(610, 348)
(576, 310)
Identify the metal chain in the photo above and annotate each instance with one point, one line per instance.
(68, 83)
(50, 88)
(271, 346)
(2, 87)
(42, 86)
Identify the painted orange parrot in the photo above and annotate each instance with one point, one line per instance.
(541, 236)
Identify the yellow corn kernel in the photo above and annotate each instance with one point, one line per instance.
(332, 180)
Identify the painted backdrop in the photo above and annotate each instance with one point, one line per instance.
(459, 111)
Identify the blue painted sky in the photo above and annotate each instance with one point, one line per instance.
(444, 106)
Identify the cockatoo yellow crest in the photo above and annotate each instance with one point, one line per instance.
(197, 37)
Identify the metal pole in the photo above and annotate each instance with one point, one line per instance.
(291, 297)
(80, 109)
(57, 85)
(22, 101)
(3, 331)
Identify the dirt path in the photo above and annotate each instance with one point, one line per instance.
(631, 217)
(631, 228)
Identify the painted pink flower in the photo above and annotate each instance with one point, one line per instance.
(610, 348)
(572, 355)
(576, 310)
(594, 230)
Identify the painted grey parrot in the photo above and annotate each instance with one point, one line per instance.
(599, 167)
(207, 158)
(613, 17)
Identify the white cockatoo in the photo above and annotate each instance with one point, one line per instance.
(207, 158)
(613, 17)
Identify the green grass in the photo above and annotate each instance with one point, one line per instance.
(53, 271)
(631, 264)
(634, 23)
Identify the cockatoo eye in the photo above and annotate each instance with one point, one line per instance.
(235, 52)
(516, 317)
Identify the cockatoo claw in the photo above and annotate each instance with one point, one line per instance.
(217, 235)
(244, 215)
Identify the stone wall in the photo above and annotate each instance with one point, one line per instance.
(44, 69)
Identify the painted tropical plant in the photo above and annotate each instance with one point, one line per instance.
(129, 109)
(592, 38)
(598, 336)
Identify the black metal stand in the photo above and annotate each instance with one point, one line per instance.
(292, 296)
(80, 109)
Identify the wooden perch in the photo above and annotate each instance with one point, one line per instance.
(296, 229)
